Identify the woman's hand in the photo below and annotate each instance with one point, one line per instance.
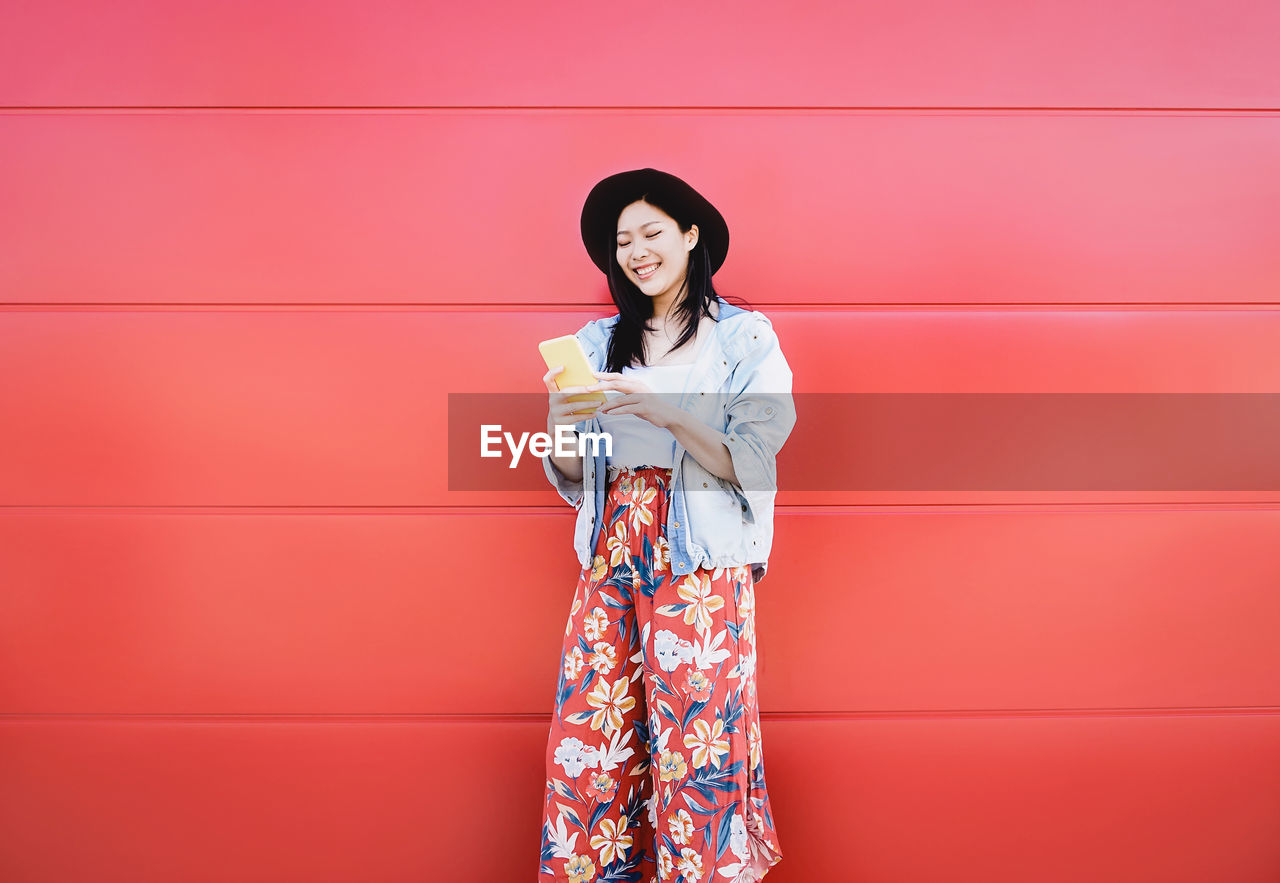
(637, 399)
(560, 411)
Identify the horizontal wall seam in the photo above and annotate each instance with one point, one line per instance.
(539, 718)
(552, 509)
(550, 307)
(627, 109)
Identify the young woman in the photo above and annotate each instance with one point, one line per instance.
(654, 759)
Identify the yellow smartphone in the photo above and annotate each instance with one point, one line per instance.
(567, 351)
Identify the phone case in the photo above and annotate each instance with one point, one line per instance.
(567, 351)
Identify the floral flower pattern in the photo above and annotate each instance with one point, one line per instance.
(655, 765)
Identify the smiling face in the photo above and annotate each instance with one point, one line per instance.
(652, 250)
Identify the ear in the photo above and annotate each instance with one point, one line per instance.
(693, 231)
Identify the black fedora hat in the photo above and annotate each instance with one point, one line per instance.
(608, 198)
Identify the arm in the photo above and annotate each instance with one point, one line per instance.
(564, 473)
(570, 489)
(761, 415)
(568, 467)
(705, 445)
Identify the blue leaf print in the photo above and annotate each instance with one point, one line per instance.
(697, 807)
(763, 804)
(722, 779)
(610, 601)
(707, 781)
(635, 807)
(649, 580)
(641, 728)
(580, 717)
(618, 513)
(548, 848)
(694, 709)
(733, 628)
(642, 567)
(674, 609)
(572, 815)
(722, 832)
(732, 711)
(620, 579)
(598, 813)
(622, 870)
(668, 715)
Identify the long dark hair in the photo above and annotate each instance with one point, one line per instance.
(635, 308)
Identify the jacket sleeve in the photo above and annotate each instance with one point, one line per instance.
(570, 491)
(761, 415)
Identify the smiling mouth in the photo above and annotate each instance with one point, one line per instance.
(646, 272)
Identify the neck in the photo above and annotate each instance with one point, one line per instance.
(662, 303)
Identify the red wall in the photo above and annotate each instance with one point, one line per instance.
(247, 632)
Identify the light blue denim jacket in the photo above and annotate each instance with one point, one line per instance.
(740, 384)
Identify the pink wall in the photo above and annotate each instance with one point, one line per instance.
(248, 633)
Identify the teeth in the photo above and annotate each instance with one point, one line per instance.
(647, 271)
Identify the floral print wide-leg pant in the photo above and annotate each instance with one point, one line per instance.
(654, 759)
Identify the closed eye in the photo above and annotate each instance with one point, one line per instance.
(650, 236)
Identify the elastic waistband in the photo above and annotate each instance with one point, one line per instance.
(614, 471)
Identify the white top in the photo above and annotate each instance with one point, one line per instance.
(636, 441)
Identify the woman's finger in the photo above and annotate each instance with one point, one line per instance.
(617, 382)
(611, 406)
(573, 408)
(548, 377)
(574, 390)
(615, 386)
